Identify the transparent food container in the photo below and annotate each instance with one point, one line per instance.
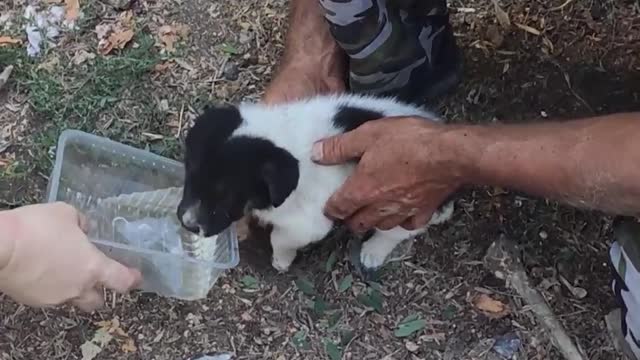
(130, 197)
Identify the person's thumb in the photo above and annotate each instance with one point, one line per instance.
(118, 277)
(425, 214)
(89, 301)
(339, 149)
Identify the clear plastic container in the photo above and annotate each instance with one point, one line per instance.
(130, 197)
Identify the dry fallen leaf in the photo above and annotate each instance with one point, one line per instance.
(128, 346)
(529, 29)
(162, 67)
(50, 64)
(4, 75)
(72, 10)
(115, 35)
(490, 307)
(169, 35)
(117, 40)
(102, 30)
(152, 136)
(109, 329)
(82, 56)
(91, 348)
(548, 44)
(501, 15)
(494, 35)
(7, 40)
(126, 18)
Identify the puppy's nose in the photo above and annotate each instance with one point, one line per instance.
(189, 218)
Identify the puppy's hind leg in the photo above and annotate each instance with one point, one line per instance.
(376, 250)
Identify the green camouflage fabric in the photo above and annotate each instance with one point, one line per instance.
(404, 48)
(625, 263)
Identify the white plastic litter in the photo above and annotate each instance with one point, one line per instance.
(129, 197)
(44, 25)
(159, 235)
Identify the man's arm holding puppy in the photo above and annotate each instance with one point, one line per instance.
(413, 165)
(312, 62)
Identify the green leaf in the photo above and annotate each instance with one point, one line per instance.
(305, 286)
(249, 282)
(299, 340)
(450, 312)
(345, 284)
(333, 350)
(230, 49)
(409, 325)
(346, 336)
(374, 285)
(410, 318)
(320, 306)
(376, 300)
(334, 320)
(373, 300)
(331, 262)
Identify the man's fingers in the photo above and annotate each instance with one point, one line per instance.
(356, 192)
(366, 219)
(339, 149)
(118, 277)
(89, 301)
(418, 220)
(391, 221)
(83, 222)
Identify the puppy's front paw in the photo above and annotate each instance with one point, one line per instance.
(282, 262)
(443, 214)
(372, 257)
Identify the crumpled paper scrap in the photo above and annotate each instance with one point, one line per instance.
(47, 24)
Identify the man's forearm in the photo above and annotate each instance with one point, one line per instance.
(8, 225)
(591, 163)
(309, 41)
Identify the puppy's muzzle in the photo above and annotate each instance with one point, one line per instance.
(188, 216)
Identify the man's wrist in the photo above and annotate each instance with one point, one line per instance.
(465, 145)
(309, 45)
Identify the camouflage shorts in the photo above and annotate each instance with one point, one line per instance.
(404, 48)
(625, 261)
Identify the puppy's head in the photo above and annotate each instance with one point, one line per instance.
(228, 175)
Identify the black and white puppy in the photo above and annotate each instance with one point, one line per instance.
(257, 158)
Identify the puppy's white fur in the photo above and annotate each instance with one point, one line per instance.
(295, 127)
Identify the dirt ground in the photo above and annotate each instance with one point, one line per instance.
(555, 60)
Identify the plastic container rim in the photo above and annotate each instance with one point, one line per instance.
(69, 134)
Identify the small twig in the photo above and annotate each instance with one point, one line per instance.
(344, 351)
(180, 121)
(567, 79)
(566, 3)
(233, 345)
(4, 76)
(503, 260)
(218, 74)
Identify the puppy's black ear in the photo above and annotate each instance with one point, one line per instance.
(280, 174)
(212, 128)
